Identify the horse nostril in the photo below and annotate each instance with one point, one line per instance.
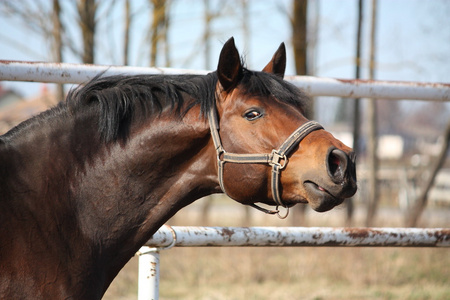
(337, 165)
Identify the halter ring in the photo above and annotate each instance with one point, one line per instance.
(280, 216)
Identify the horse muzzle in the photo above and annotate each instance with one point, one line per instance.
(326, 192)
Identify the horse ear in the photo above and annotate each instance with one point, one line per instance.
(277, 65)
(229, 69)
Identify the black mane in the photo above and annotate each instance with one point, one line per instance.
(120, 96)
(122, 99)
(265, 84)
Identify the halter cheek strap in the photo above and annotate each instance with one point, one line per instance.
(277, 159)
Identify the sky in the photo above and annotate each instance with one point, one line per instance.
(413, 37)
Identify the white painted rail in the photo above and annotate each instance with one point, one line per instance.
(299, 237)
(179, 236)
(314, 86)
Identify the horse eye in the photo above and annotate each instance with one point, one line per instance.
(252, 115)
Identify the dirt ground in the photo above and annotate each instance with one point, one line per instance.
(296, 272)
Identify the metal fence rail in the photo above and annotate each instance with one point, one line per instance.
(299, 237)
(167, 237)
(314, 86)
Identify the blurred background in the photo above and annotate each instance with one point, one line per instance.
(402, 146)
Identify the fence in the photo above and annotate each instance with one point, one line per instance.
(168, 237)
(314, 86)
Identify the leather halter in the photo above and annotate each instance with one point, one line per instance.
(277, 159)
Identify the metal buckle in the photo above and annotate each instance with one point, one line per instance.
(220, 152)
(277, 158)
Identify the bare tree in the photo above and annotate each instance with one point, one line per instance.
(372, 125)
(299, 35)
(299, 21)
(126, 42)
(356, 106)
(34, 14)
(245, 24)
(57, 31)
(159, 30)
(208, 16)
(86, 11)
(421, 201)
(58, 44)
(45, 21)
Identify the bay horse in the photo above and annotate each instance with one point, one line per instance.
(85, 184)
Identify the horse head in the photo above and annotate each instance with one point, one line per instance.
(258, 113)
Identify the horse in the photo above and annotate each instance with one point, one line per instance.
(85, 184)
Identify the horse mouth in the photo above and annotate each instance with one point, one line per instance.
(321, 199)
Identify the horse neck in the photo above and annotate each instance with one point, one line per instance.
(99, 204)
(162, 168)
(37, 213)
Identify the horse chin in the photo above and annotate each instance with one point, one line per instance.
(320, 199)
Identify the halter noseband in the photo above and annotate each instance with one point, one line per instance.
(277, 159)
